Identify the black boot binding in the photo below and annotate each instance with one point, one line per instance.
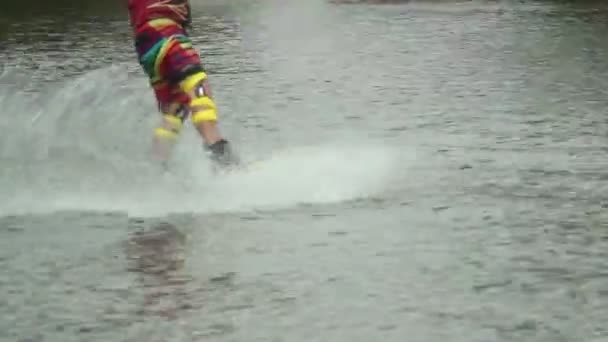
(221, 154)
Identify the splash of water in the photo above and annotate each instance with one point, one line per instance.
(85, 146)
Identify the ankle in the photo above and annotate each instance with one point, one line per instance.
(216, 147)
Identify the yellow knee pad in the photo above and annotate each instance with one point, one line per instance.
(202, 106)
(170, 129)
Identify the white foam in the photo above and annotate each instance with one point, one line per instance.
(318, 174)
(98, 160)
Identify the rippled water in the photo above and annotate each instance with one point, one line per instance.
(439, 176)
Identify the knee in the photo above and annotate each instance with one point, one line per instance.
(202, 107)
(171, 126)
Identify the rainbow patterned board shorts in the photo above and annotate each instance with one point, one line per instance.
(167, 56)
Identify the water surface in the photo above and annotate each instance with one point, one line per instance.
(439, 176)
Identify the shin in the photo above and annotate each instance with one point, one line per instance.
(167, 133)
(202, 108)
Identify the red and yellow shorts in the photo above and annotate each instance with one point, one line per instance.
(167, 56)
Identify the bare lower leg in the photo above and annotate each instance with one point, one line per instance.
(208, 130)
(165, 136)
(162, 149)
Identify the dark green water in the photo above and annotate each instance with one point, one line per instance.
(440, 176)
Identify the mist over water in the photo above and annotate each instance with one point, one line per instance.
(87, 146)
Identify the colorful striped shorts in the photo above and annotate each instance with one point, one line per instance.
(167, 56)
